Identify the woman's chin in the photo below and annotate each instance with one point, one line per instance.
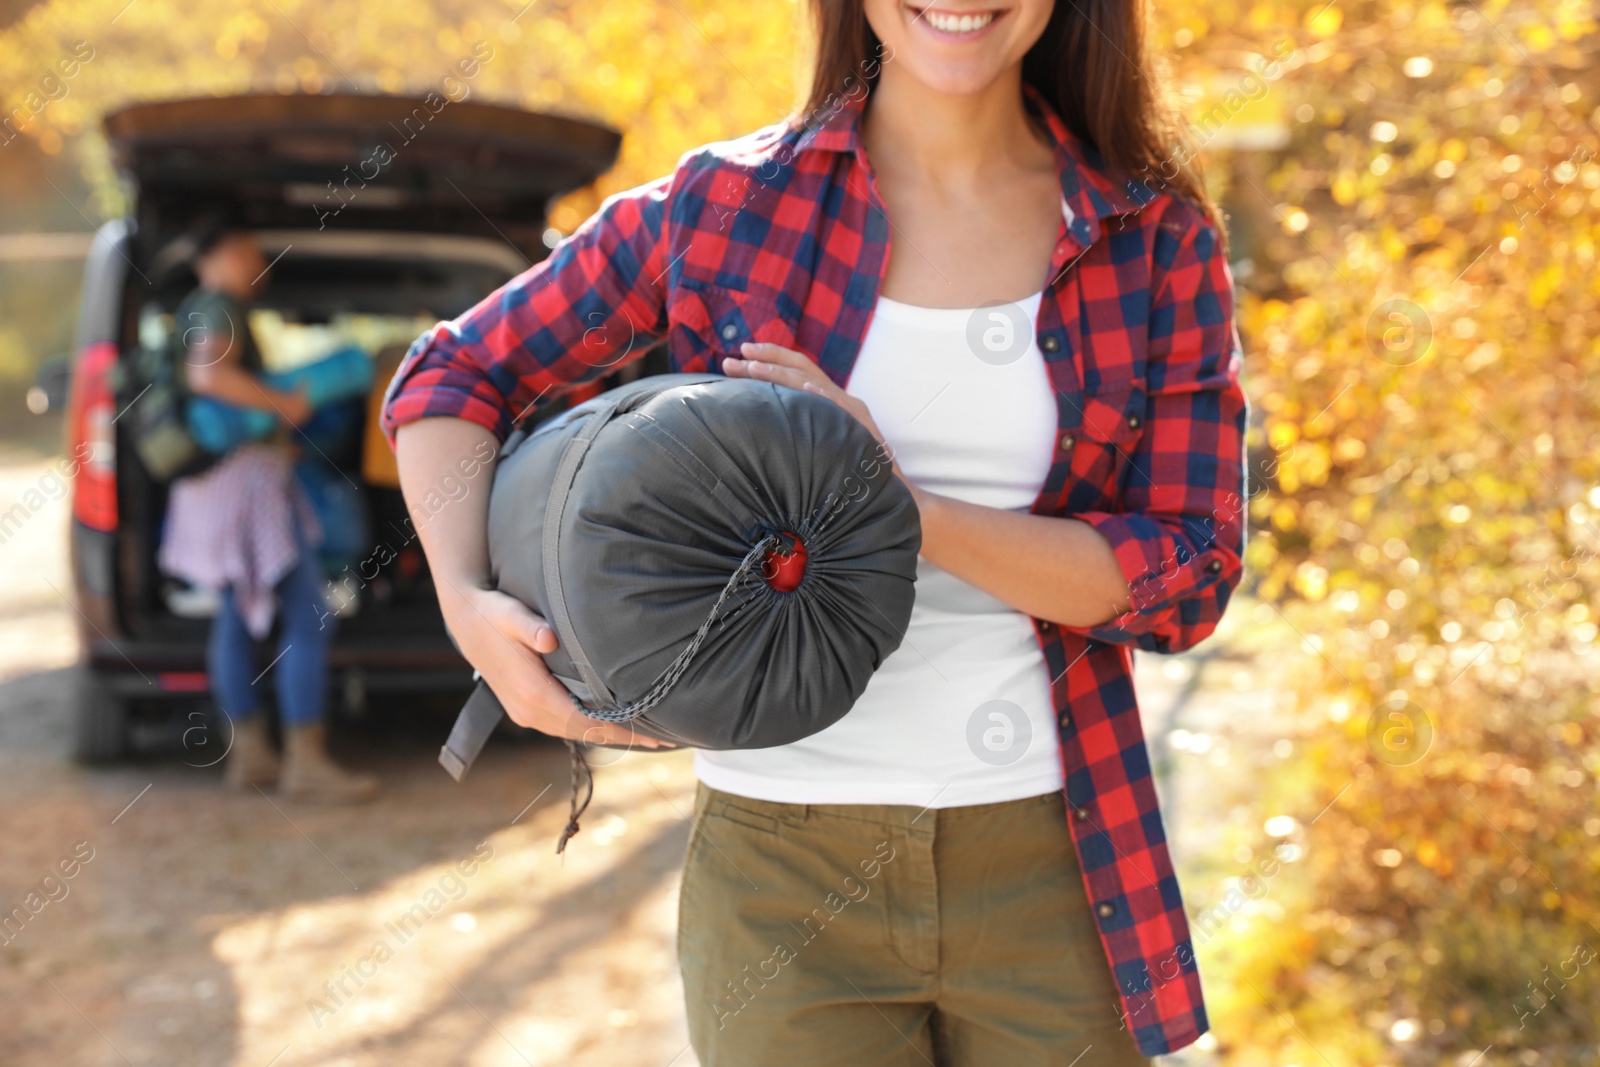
(970, 78)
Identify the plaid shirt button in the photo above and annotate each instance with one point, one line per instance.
(1133, 422)
(1081, 814)
(729, 332)
(1067, 441)
(1214, 567)
(1105, 910)
(1049, 343)
(1044, 626)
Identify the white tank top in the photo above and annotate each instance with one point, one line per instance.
(961, 712)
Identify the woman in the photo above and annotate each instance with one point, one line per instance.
(244, 527)
(950, 243)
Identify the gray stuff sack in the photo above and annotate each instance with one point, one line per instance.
(725, 562)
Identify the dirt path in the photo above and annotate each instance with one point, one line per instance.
(204, 927)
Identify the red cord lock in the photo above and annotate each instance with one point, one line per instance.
(784, 566)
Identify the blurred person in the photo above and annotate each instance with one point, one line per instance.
(962, 240)
(245, 528)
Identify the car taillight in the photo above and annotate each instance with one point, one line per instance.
(92, 437)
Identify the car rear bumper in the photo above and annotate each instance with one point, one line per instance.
(151, 670)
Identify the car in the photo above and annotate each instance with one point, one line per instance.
(380, 215)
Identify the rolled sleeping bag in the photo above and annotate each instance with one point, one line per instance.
(220, 427)
(725, 562)
(344, 374)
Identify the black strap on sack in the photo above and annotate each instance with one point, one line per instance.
(477, 720)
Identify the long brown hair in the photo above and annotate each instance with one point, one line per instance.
(1091, 64)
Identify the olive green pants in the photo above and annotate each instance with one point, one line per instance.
(878, 935)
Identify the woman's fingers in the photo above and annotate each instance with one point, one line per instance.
(608, 733)
(775, 363)
(507, 643)
(536, 700)
(784, 366)
(527, 628)
(763, 352)
(549, 707)
(595, 732)
(765, 372)
(777, 374)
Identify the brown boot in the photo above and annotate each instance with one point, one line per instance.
(251, 761)
(308, 773)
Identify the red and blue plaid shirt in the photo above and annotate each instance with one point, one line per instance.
(779, 236)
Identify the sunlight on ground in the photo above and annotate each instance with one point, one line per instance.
(504, 955)
(35, 632)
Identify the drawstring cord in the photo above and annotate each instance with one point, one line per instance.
(580, 772)
(668, 678)
(582, 775)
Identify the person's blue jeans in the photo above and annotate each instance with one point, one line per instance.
(300, 673)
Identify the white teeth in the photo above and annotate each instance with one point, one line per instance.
(958, 23)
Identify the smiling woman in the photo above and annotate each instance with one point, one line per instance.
(948, 240)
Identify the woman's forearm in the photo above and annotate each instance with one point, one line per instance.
(455, 537)
(1051, 568)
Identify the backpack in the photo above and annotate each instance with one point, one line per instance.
(157, 420)
(157, 413)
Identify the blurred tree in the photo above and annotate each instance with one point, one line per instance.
(1422, 323)
(674, 75)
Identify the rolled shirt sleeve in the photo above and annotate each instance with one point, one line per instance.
(594, 304)
(1179, 536)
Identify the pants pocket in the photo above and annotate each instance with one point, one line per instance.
(751, 820)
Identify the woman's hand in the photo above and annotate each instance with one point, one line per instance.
(506, 642)
(498, 635)
(784, 366)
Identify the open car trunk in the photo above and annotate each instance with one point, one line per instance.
(380, 215)
(349, 161)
